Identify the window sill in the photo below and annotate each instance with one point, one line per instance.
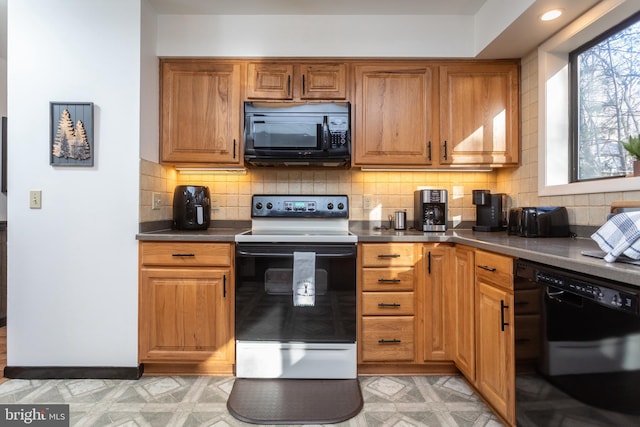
(630, 183)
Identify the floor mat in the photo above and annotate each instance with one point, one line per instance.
(293, 401)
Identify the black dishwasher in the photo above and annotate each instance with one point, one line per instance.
(590, 343)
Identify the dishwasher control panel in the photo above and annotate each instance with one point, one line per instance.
(606, 294)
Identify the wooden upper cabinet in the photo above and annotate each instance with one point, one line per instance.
(479, 114)
(396, 115)
(289, 81)
(200, 112)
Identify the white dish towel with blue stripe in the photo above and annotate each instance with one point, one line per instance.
(620, 235)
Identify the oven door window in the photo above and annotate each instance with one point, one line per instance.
(264, 295)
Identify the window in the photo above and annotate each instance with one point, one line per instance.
(605, 102)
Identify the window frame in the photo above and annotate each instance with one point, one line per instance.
(552, 121)
(573, 96)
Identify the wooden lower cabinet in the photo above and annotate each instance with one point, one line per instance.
(464, 351)
(387, 302)
(495, 358)
(437, 302)
(405, 305)
(186, 308)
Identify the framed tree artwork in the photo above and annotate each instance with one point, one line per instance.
(72, 134)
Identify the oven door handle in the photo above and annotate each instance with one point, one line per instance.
(290, 254)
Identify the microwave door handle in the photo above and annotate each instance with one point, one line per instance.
(326, 136)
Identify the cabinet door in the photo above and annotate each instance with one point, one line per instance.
(479, 114)
(323, 81)
(464, 311)
(269, 81)
(437, 302)
(185, 315)
(495, 353)
(395, 115)
(200, 119)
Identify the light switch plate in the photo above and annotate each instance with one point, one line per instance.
(35, 199)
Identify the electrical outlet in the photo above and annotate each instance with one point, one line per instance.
(367, 201)
(35, 199)
(215, 204)
(156, 201)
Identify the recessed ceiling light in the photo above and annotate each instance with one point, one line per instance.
(550, 15)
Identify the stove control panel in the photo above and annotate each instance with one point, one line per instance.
(299, 206)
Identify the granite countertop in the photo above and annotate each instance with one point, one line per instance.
(213, 234)
(562, 252)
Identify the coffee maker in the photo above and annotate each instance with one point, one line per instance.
(491, 211)
(191, 207)
(430, 210)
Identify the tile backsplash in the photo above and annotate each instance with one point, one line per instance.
(373, 196)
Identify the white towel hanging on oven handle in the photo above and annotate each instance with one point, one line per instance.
(304, 280)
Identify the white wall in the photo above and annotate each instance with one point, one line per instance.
(149, 84)
(313, 35)
(72, 265)
(3, 112)
(3, 87)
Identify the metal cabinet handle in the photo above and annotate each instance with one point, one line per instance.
(224, 286)
(486, 267)
(183, 255)
(289, 85)
(303, 88)
(389, 280)
(445, 149)
(383, 304)
(389, 256)
(429, 149)
(502, 322)
(234, 148)
(429, 262)
(393, 341)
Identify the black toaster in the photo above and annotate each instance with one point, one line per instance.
(547, 221)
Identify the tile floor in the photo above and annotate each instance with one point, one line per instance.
(201, 401)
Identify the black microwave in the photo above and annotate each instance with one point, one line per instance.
(294, 134)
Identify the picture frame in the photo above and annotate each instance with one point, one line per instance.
(71, 142)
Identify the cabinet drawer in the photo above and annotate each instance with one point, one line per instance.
(180, 254)
(388, 254)
(388, 279)
(387, 303)
(527, 336)
(387, 339)
(527, 301)
(495, 268)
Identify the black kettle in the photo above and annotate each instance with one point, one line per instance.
(191, 207)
